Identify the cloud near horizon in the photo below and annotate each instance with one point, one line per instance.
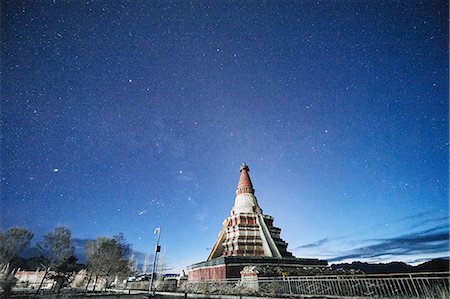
(429, 241)
(314, 244)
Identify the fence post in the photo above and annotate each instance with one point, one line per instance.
(414, 285)
(289, 286)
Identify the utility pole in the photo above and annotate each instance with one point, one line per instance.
(157, 249)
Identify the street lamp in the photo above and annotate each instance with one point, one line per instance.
(157, 249)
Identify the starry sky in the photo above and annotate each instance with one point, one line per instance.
(124, 116)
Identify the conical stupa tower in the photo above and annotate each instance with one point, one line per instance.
(248, 238)
(248, 232)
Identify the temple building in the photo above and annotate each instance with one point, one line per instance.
(248, 238)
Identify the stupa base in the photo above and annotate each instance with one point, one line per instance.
(231, 266)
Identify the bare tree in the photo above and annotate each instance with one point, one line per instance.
(146, 263)
(132, 260)
(58, 251)
(107, 258)
(12, 243)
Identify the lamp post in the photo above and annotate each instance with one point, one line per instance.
(157, 249)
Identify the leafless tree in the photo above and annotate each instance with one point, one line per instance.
(12, 242)
(107, 258)
(58, 251)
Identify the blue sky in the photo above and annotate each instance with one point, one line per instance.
(126, 116)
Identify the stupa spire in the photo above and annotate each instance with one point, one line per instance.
(244, 184)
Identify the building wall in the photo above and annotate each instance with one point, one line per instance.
(32, 279)
(234, 271)
(206, 273)
(216, 272)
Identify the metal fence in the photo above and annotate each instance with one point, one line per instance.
(408, 285)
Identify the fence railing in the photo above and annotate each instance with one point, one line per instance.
(408, 285)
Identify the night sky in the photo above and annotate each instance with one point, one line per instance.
(123, 116)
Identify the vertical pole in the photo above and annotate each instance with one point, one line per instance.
(157, 231)
(414, 285)
(289, 285)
